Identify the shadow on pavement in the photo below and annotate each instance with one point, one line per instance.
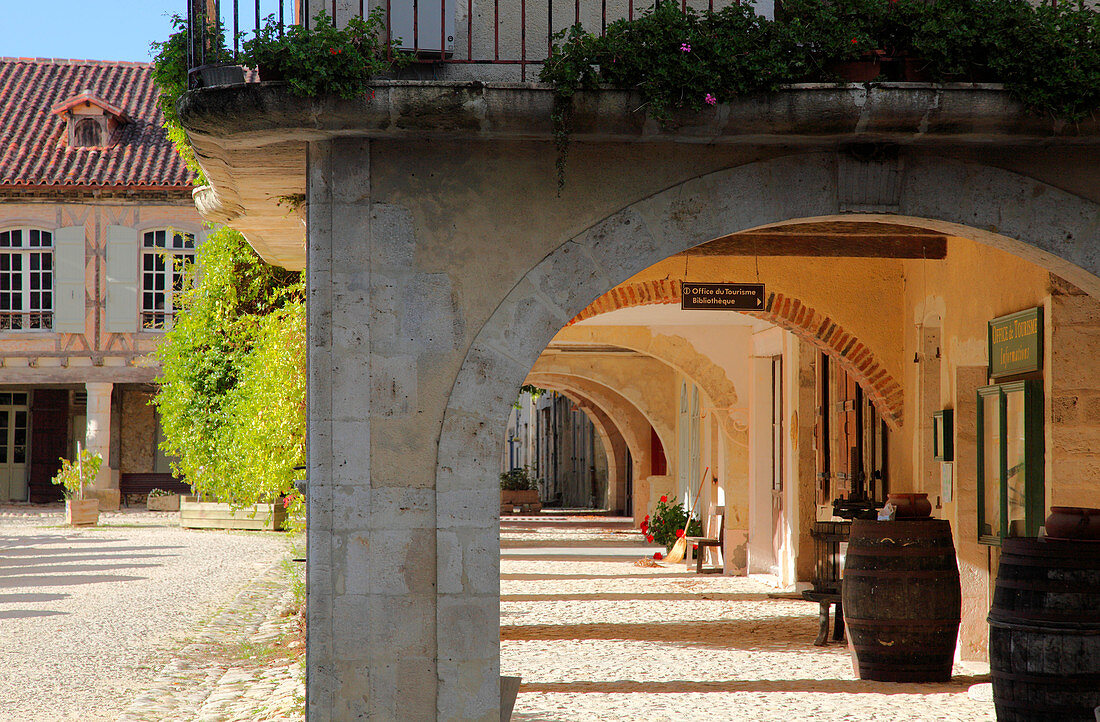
(27, 613)
(685, 686)
(763, 633)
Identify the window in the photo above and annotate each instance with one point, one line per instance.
(165, 258)
(87, 133)
(1010, 460)
(26, 279)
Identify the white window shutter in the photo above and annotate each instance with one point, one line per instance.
(122, 279)
(68, 277)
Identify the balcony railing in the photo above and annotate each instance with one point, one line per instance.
(26, 320)
(510, 35)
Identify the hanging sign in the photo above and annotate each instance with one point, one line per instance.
(722, 296)
(1016, 343)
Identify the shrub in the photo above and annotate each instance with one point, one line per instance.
(76, 476)
(232, 379)
(517, 480)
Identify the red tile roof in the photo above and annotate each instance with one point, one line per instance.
(34, 150)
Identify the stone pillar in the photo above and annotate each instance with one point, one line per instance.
(373, 600)
(97, 439)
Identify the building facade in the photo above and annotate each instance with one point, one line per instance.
(893, 227)
(96, 228)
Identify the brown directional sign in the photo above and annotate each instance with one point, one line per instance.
(722, 296)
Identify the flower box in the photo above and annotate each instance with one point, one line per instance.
(82, 512)
(526, 499)
(163, 502)
(219, 515)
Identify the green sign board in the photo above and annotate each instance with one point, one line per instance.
(1016, 343)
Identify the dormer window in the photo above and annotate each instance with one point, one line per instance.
(87, 133)
(90, 121)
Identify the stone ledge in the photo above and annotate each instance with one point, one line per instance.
(799, 114)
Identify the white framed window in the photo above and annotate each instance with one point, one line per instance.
(166, 255)
(26, 279)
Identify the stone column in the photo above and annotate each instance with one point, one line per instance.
(97, 439)
(372, 524)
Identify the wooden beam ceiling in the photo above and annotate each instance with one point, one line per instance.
(831, 240)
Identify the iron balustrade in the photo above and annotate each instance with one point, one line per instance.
(486, 26)
(26, 320)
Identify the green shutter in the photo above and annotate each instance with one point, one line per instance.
(122, 279)
(69, 306)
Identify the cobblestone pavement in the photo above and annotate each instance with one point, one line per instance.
(237, 666)
(90, 617)
(596, 638)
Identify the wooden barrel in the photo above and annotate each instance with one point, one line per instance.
(1044, 631)
(902, 600)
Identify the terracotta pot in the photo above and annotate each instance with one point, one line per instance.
(1073, 522)
(910, 505)
(915, 70)
(857, 71)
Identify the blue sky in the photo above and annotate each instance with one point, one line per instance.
(87, 29)
(101, 29)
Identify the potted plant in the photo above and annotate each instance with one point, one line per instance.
(74, 477)
(162, 500)
(324, 58)
(519, 488)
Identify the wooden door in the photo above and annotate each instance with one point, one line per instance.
(849, 459)
(777, 457)
(49, 436)
(14, 422)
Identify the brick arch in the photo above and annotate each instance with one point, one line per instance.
(788, 313)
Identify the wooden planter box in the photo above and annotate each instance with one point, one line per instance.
(163, 503)
(82, 512)
(217, 515)
(526, 499)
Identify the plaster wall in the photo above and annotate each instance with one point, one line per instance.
(33, 357)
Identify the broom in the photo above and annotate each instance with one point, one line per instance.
(676, 554)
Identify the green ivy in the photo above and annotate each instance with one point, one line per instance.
(232, 380)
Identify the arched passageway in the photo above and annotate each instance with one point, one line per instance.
(781, 190)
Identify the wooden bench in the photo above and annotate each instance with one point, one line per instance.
(142, 484)
(825, 600)
(714, 534)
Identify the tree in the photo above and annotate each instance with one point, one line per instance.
(232, 381)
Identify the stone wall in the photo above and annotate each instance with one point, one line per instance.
(137, 430)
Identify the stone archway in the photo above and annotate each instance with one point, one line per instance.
(1033, 220)
(790, 314)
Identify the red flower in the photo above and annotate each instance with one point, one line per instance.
(649, 538)
(658, 556)
(647, 517)
(854, 41)
(645, 527)
(679, 533)
(664, 498)
(337, 51)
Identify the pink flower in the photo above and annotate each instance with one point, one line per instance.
(658, 556)
(685, 48)
(710, 99)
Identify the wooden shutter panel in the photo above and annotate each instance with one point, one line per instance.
(68, 277)
(122, 280)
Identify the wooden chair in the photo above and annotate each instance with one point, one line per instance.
(714, 534)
